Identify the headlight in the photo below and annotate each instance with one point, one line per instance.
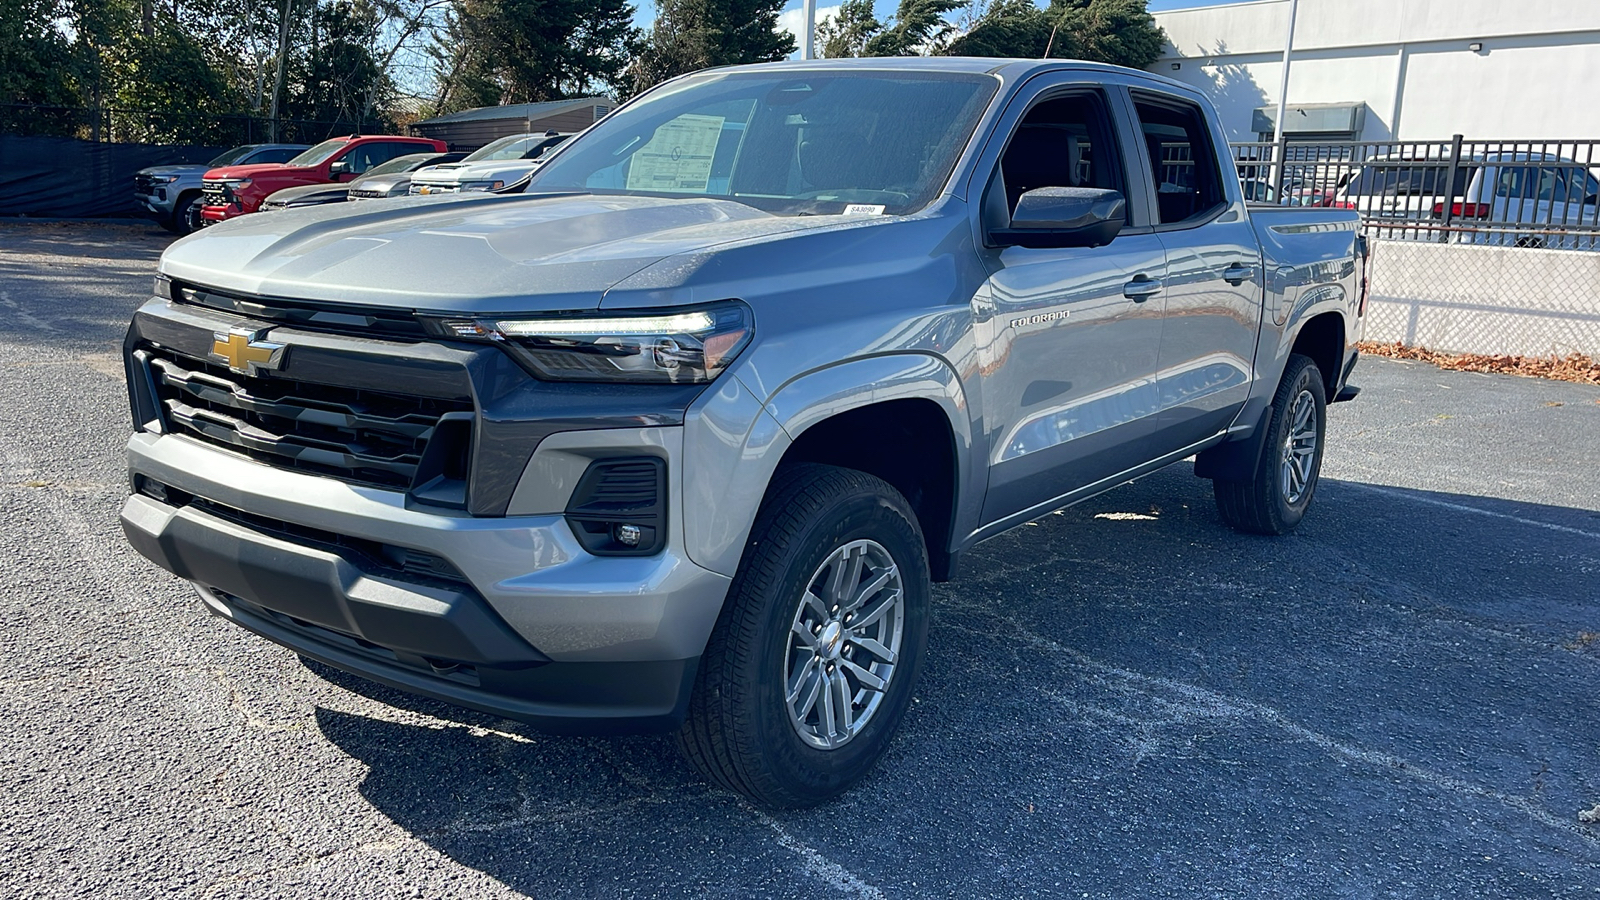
(399, 190)
(482, 185)
(163, 179)
(241, 183)
(684, 346)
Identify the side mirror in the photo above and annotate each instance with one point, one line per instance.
(339, 167)
(1064, 217)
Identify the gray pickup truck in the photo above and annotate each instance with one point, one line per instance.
(171, 194)
(677, 439)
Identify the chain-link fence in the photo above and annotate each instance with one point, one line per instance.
(1495, 300)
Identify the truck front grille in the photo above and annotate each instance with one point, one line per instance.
(143, 185)
(216, 193)
(360, 436)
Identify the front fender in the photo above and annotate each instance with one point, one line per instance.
(734, 442)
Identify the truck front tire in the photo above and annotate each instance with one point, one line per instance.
(1276, 499)
(818, 647)
(185, 214)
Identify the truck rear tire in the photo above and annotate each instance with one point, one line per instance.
(818, 647)
(1276, 499)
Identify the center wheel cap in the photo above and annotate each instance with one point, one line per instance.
(831, 639)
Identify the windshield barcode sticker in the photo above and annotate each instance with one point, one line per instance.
(863, 209)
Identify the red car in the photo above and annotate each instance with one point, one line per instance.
(236, 190)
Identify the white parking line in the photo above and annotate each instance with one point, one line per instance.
(1459, 507)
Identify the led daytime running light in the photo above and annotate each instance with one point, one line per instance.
(680, 323)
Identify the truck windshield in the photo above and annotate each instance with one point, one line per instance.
(317, 154)
(232, 156)
(790, 143)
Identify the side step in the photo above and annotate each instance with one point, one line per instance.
(1347, 393)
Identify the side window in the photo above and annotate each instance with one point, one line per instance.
(1188, 185)
(1062, 142)
(366, 156)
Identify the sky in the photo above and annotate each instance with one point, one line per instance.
(645, 12)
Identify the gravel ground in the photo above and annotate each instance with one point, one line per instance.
(1123, 699)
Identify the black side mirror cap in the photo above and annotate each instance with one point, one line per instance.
(1064, 217)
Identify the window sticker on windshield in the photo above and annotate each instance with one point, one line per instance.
(678, 157)
(863, 209)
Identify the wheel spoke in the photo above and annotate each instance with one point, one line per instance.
(816, 604)
(800, 631)
(813, 688)
(850, 576)
(800, 679)
(871, 616)
(827, 721)
(844, 707)
(868, 680)
(875, 648)
(879, 578)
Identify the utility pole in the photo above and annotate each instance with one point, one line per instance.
(808, 41)
(1280, 144)
(283, 54)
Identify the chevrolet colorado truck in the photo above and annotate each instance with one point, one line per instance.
(678, 438)
(171, 194)
(236, 190)
(379, 181)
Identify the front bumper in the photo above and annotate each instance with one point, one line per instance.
(221, 213)
(157, 205)
(538, 630)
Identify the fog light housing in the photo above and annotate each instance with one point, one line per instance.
(627, 535)
(619, 507)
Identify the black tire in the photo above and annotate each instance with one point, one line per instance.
(186, 214)
(1265, 504)
(739, 731)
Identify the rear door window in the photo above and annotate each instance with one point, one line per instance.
(1182, 159)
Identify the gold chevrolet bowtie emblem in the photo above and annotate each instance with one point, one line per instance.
(244, 353)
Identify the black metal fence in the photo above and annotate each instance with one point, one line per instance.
(145, 126)
(1523, 193)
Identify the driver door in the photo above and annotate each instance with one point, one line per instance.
(1068, 337)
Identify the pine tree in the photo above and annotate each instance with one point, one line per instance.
(695, 34)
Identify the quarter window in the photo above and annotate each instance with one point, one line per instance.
(1187, 184)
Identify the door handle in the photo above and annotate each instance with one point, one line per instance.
(1238, 274)
(1140, 288)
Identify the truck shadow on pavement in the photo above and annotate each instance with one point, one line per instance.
(1126, 699)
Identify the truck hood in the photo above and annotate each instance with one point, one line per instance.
(301, 192)
(478, 253)
(191, 169)
(458, 173)
(293, 173)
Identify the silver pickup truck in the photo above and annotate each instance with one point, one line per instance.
(678, 438)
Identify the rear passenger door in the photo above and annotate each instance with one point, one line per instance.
(1212, 301)
(1067, 336)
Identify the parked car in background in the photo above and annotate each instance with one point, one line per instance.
(1400, 187)
(171, 194)
(378, 182)
(490, 167)
(390, 180)
(230, 191)
(1556, 200)
(677, 439)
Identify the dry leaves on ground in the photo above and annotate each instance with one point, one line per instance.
(1576, 367)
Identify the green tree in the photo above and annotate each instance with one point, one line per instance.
(918, 27)
(694, 34)
(36, 63)
(519, 51)
(847, 31)
(1121, 32)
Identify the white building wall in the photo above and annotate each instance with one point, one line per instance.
(1407, 60)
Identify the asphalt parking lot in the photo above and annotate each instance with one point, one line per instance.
(1122, 700)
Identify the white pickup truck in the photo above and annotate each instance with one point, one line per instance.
(489, 168)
